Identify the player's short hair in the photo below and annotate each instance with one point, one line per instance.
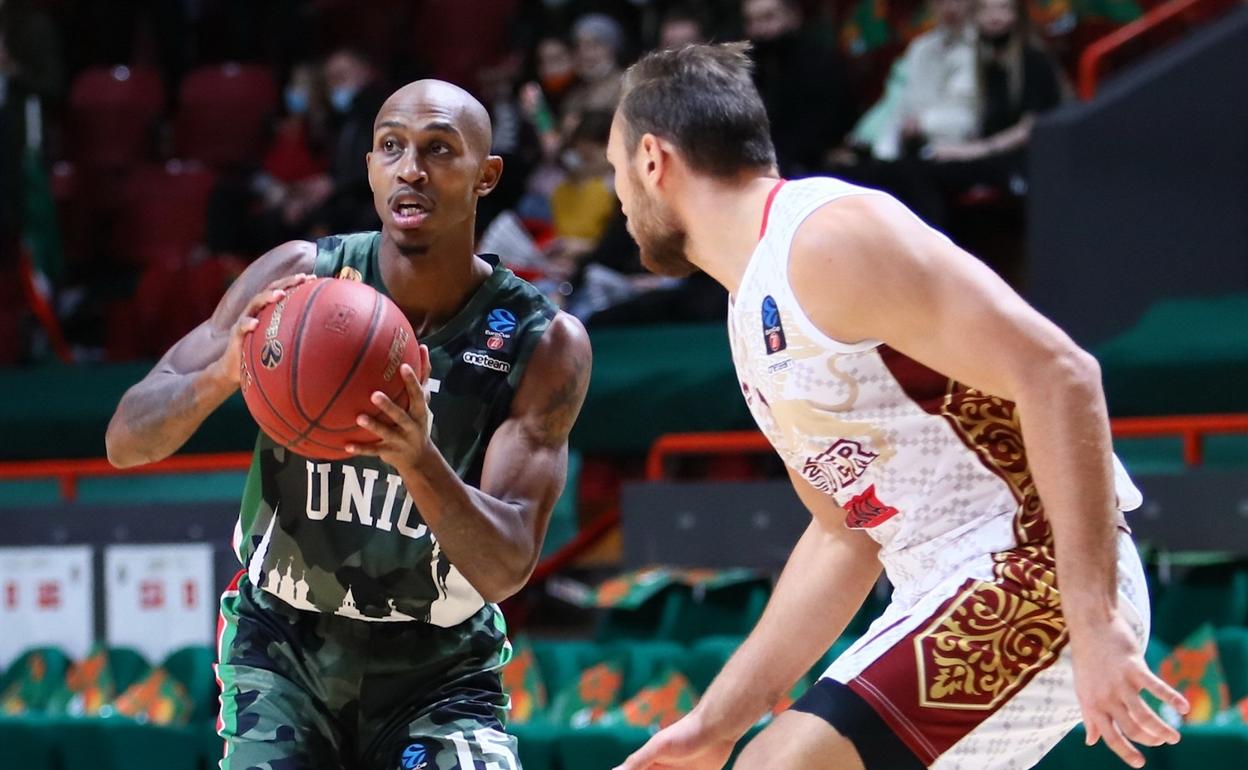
(702, 99)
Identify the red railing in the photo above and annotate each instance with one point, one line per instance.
(68, 472)
(1186, 12)
(1191, 428)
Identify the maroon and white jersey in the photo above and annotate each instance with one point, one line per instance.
(936, 472)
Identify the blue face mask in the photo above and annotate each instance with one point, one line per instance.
(341, 97)
(296, 101)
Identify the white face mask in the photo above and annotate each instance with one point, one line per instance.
(341, 97)
(571, 160)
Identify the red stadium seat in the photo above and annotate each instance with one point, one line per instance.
(223, 114)
(163, 210)
(111, 117)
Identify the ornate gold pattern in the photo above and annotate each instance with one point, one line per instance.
(992, 639)
(990, 426)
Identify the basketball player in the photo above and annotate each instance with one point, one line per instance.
(934, 424)
(364, 631)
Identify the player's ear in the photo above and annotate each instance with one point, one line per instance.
(368, 169)
(655, 155)
(491, 172)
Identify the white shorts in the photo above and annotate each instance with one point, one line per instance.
(976, 674)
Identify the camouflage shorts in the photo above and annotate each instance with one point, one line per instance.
(309, 691)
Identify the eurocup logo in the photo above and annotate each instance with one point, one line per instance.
(773, 329)
(415, 757)
(502, 321)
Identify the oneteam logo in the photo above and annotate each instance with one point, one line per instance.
(486, 362)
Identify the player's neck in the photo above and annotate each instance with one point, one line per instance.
(723, 221)
(432, 287)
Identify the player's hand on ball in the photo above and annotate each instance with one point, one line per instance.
(404, 435)
(229, 366)
(685, 745)
(1109, 674)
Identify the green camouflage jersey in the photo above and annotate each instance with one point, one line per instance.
(344, 537)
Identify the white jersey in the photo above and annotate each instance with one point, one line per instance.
(934, 471)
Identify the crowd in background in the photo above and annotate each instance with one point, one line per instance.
(936, 108)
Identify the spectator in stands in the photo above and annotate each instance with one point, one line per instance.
(803, 84)
(1016, 82)
(583, 204)
(341, 201)
(932, 94)
(683, 25)
(556, 70)
(599, 48)
(31, 68)
(542, 100)
(297, 158)
(513, 135)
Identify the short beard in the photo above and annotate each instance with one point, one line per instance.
(662, 242)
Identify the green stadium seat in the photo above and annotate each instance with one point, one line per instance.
(1209, 747)
(127, 666)
(26, 743)
(57, 663)
(1233, 653)
(1155, 653)
(658, 618)
(731, 610)
(1216, 594)
(538, 744)
(1072, 754)
(192, 666)
(563, 518)
(707, 657)
(598, 746)
(209, 745)
(117, 743)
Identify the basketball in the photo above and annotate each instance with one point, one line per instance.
(316, 357)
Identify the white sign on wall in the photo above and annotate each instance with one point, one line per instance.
(159, 598)
(46, 599)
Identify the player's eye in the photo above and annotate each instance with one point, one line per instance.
(439, 148)
(389, 145)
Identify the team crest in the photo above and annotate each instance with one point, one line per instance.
(271, 354)
(838, 466)
(773, 329)
(350, 274)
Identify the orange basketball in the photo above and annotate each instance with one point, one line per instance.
(311, 365)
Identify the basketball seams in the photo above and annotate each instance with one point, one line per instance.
(257, 383)
(365, 344)
(304, 312)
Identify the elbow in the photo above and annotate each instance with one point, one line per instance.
(507, 581)
(1067, 371)
(1079, 368)
(121, 451)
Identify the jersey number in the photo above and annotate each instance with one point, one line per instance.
(492, 743)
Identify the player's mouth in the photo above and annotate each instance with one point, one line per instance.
(410, 211)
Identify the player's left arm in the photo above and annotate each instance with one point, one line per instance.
(493, 535)
(866, 268)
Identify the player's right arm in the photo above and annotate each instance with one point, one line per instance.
(158, 414)
(825, 581)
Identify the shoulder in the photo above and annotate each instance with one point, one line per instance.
(854, 239)
(563, 348)
(287, 259)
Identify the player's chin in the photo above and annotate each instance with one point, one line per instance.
(411, 242)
